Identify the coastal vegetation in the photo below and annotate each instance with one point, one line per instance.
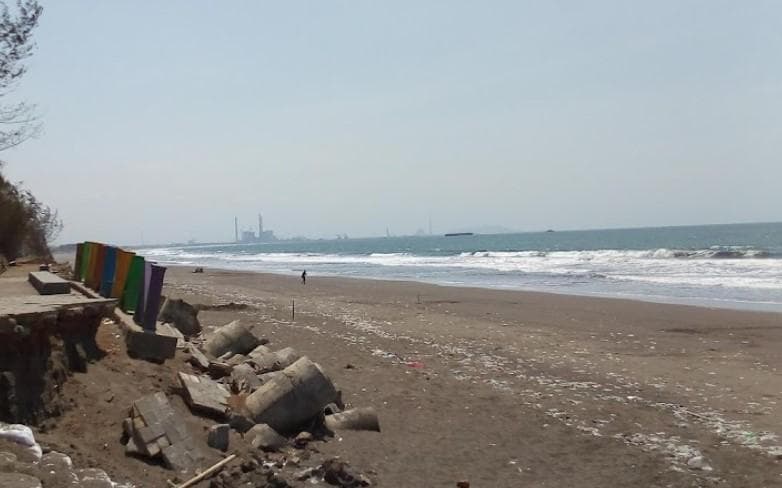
(26, 224)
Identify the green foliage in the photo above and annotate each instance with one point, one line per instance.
(26, 225)
(17, 120)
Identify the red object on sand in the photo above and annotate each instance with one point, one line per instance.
(415, 364)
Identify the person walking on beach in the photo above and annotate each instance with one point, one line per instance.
(304, 277)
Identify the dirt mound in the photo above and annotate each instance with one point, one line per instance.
(36, 359)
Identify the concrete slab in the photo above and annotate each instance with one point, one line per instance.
(197, 358)
(157, 430)
(205, 395)
(12, 286)
(145, 344)
(22, 307)
(49, 283)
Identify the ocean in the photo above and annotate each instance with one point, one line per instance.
(732, 266)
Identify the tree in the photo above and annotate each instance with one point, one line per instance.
(17, 120)
(26, 225)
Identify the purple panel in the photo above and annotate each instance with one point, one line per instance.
(153, 296)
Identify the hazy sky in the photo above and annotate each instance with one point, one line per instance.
(164, 119)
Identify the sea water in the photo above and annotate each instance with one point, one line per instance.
(734, 266)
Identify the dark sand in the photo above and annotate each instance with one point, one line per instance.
(500, 388)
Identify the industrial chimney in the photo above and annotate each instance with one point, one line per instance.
(260, 227)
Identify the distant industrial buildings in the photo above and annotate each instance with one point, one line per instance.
(249, 236)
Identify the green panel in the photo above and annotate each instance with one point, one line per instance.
(133, 284)
(85, 260)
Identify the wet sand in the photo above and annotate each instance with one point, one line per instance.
(507, 388)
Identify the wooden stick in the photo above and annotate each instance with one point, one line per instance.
(208, 472)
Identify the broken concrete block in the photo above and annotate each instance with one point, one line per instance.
(355, 419)
(266, 362)
(218, 436)
(180, 458)
(205, 395)
(292, 398)
(287, 356)
(181, 315)
(157, 430)
(239, 422)
(131, 449)
(150, 346)
(265, 438)
(219, 370)
(197, 358)
(234, 337)
(236, 359)
(267, 377)
(243, 378)
(259, 351)
(171, 331)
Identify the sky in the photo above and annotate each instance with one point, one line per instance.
(164, 120)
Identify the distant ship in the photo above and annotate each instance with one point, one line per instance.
(454, 234)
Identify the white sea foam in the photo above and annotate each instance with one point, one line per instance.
(741, 277)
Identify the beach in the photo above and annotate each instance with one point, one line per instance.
(509, 388)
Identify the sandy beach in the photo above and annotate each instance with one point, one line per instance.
(498, 388)
(526, 389)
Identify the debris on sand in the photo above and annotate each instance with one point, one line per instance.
(205, 395)
(155, 430)
(291, 399)
(182, 315)
(334, 472)
(265, 438)
(355, 419)
(233, 337)
(218, 436)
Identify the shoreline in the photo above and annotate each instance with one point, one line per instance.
(710, 304)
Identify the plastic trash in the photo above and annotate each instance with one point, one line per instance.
(22, 435)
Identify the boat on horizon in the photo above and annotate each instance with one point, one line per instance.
(455, 234)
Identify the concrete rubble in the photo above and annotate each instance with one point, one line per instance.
(234, 337)
(276, 400)
(263, 437)
(291, 399)
(218, 436)
(355, 419)
(205, 395)
(155, 430)
(181, 315)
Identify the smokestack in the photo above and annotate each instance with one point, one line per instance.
(236, 228)
(260, 226)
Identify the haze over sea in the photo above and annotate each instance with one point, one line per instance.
(734, 266)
